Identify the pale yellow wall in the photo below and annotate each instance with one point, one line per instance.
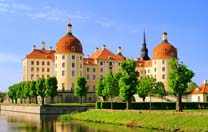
(67, 80)
(34, 71)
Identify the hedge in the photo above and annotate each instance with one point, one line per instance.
(154, 105)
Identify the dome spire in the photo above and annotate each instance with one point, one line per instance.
(69, 27)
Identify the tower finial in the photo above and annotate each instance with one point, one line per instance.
(165, 36)
(69, 26)
(144, 41)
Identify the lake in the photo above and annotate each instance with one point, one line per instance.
(22, 122)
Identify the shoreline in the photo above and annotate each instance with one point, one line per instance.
(194, 120)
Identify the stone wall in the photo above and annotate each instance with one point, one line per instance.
(44, 109)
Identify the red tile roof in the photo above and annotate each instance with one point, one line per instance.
(89, 61)
(106, 54)
(144, 63)
(41, 54)
(203, 89)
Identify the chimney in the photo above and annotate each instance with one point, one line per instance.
(34, 46)
(51, 48)
(43, 45)
(104, 46)
(119, 50)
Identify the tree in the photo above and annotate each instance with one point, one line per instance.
(160, 89)
(178, 78)
(80, 88)
(12, 93)
(33, 91)
(41, 89)
(100, 88)
(145, 87)
(110, 86)
(51, 86)
(128, 81)
(26, 91)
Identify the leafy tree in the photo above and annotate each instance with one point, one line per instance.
(145, 87)
(100, 88)
(80, 88)
(33, 91)
(12, 93)
(19, 87)
(160, 89)
(128, 81)
(51, 86)
(110, 86)
(41, 89)
(178, 79)
(26, 91)
(2, 95)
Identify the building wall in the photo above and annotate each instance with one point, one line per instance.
(68, 67)
(199, 97)
(34, 69)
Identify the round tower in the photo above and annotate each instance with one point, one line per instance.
(68, 60)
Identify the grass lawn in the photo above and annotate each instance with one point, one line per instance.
(190, 120)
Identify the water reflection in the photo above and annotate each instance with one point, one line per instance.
(22, 122)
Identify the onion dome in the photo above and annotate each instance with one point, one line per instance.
(69, 43)
(164, 50)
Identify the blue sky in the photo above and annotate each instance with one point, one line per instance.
(111, 22)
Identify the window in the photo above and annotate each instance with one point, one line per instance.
(43, 63)
(198, 98)
(101, 76)
(48, 70)
(88, 69)
(43, 69)
(56, 57)
(37, 69)
(32, 69)
(63, 65)
(37, 62)
(48, 63)
(73, 73)
(37, 76)
(93, 87)
(42, 76)
(80, 65)
(94, 77)
(101, 63)
(80, 57)
(32, 76)
(163, 76)
(101, 69)
(163, 69)
(73, 57)
(48, 76)
(88, 77)
(32, 62)
(94, 69)
(73, 65)
(155, 69)
(63, 57)
(163, 62)
(62, 73)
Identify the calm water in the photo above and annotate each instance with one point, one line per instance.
(21, 122)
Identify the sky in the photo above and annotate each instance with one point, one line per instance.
(114, 23)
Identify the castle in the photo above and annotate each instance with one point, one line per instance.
(67, 62)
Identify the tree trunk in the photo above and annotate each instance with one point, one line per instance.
(111, 103)
(36, 99)
(179, 104)
(52, 100)
(43, 100)
(29, 100)
(128, 103)
(150, 102)
(143, 99)
(81, 100)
